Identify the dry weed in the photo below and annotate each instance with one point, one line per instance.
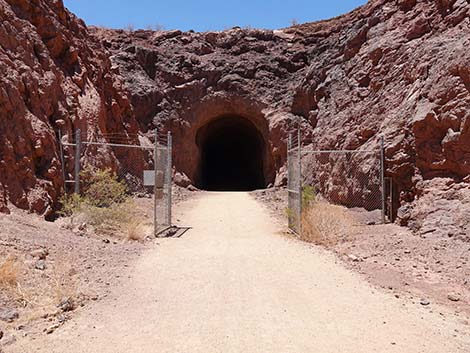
(135, 230)
(45, 296)
(63, 284)
(325, 224)
(9, 270)
(10, 281)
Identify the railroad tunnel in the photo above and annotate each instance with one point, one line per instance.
(232, 153)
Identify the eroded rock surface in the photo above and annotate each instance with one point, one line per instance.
(55, 76)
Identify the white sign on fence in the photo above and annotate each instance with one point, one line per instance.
(149, 178)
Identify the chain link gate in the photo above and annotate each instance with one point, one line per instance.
(131, 160)
(294, 184)
(162, 182)
(350, 178)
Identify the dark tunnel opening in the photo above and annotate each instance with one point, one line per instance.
(232, 151)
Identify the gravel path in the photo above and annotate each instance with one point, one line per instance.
(234, 283)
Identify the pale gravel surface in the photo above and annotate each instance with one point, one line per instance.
(234, 283)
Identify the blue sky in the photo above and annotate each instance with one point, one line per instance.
(206, 15)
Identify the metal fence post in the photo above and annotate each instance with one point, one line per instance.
(299, 147)
(169, 177)
(78, 148)
(289, 181)
(62, 160)
(382, 175)
(155, 167)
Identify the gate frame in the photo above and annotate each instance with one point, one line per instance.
(156, 147)
(294, 192)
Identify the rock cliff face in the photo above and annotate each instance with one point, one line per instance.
(55, 76)
(393, 68)
(401, 70)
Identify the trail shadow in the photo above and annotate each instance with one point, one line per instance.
(173, 232)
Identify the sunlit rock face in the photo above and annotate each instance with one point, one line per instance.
(397, 69)
(55, 77)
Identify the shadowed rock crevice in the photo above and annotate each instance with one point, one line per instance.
(231, 150)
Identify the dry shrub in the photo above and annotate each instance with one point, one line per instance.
(10, 281)
(119, 220)
(108, 220)
(105, 205)
(9, 270)
(44, 296)
(136, 230)
(325, 224)
(63, 284)
(101, 187)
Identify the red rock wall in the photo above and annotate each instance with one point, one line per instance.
(54, 77)
(399, 70)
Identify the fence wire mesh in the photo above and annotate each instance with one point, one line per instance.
(123, 158)
(353, 179)
(348, 178)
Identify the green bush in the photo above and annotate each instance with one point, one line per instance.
(103, 203)
(101, 188)
(109, 220)
(309, 196)
(70, 204)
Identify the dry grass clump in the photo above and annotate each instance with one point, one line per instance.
(43, 294)
(10, 281)
(325, 224)
(122, 220)
(110, 220)
(9, 270)
(39, 294)
(137, 231)
(119, 220)
(62, 282)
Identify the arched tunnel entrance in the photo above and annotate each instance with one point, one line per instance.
(232, 153)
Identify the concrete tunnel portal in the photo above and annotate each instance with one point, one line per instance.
(232, 155)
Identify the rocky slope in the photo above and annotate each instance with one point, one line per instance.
(393, 68)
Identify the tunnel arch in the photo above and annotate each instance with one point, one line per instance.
(232, 153)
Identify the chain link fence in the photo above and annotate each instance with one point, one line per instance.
(350, 178)
(141, 167)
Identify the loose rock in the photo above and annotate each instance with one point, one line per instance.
(67, 304)
(40, 265)
(51, 329)
(41, 254)
(454, 297)
(8, 315)
(424, 302)
(354, 258)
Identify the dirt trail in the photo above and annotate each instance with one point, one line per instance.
(233, 283)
